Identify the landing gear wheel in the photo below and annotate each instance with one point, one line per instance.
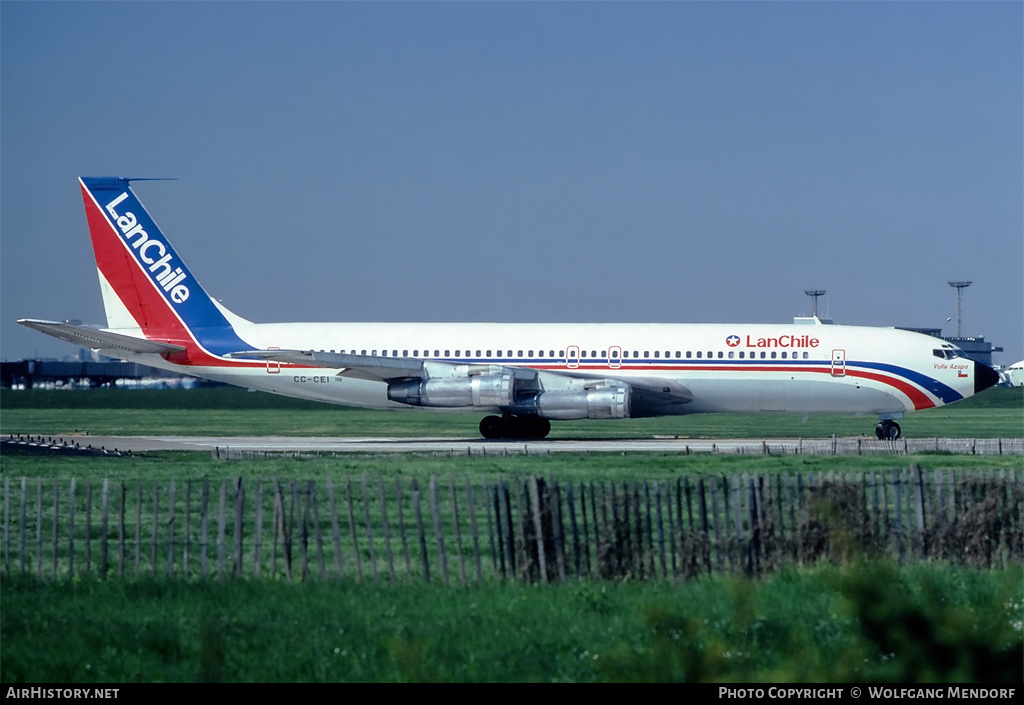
(536, 428)
(492, 427)
(525, 427)
(887, 430)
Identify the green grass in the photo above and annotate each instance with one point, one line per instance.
(923, 623)
(821, 625)
(186, 465)
(998, 412)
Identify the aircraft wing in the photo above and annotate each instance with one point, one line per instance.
(99, 339)
(651, 395)
(372, 367)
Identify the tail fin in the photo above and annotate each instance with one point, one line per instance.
(145, 284)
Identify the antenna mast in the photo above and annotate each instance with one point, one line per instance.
(960, 286)
(814, 294)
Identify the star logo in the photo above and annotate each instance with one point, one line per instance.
(732, 341)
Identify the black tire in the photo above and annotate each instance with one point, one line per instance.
(492, 427)
(888, 430)
(540, 428)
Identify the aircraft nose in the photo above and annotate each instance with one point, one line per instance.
(984, 377)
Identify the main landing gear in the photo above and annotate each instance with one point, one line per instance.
(887, 430)
(525, 427)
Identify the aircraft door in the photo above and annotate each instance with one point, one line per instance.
(572, 357)
(615, 357)
(273, 366)
(838, 363)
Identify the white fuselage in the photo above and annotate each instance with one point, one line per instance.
(727, 367)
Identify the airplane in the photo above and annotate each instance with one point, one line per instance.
(523, 376)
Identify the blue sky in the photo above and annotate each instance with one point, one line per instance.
(687, 161)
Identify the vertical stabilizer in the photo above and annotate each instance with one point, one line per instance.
(145, 284)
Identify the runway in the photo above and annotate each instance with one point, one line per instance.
(241, 446)
(473, 446)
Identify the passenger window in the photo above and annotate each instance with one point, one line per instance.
(773, 354)
(657, 353)
(529, 353)
(720, 356)
(806, 356)
(447, 353)
(499, 353)
(520, 353)
(699, 354)
(731, 353)
(762, 355)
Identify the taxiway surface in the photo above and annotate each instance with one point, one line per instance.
(475, 446)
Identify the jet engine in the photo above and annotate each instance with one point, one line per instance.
(480, 390)
(607, 401)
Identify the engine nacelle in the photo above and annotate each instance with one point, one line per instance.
(605, 402)
(479, 390)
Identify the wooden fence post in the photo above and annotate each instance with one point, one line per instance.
(473, 528)
(458, 533)
(104, 526)
(384, 525)
(170, 529)
(570, 500)
(557, 528)
(22, 527)
(538, 530)
(88, 527)
(438, 536)
(335, 530)
(257, 547)
(221, 529)
(369, 530)
(401, 526)
(239, 526)
(419, 530)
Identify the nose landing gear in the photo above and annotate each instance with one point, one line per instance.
(887, 430)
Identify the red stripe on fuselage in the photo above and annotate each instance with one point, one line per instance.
(916, 396)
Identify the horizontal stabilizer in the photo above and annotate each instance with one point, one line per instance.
(99, 339)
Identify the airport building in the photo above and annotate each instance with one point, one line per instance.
(84, 374)
(975, 347)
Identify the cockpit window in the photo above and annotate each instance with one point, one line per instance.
(948, 353)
